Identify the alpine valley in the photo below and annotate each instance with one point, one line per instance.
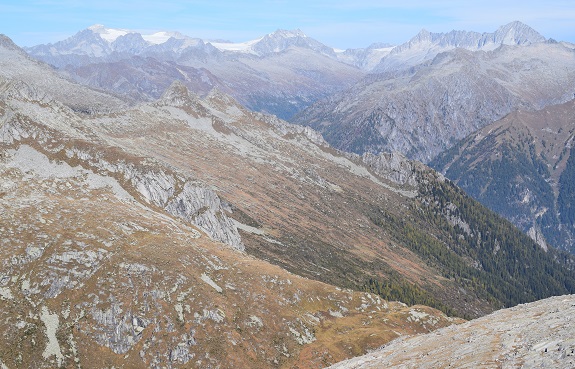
(156, 210)
(436, 89)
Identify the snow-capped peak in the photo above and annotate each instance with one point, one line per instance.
(255, 46)
(282, 40)
(96, 27)
(111, 34)
(282, 33)
(108, 34)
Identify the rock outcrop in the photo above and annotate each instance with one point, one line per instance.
(150, 183)
(394, 167)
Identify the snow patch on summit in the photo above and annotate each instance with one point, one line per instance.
(111, 34)
(242, 47)
(108, 34)
(161, 37)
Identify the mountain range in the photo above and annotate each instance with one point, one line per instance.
(438, 89)
(427, 108)
(427, 45)
(191, 231)
(280, 73)
(418, 98)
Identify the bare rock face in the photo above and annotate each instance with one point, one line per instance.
(535, 335)
(180, 197)
(538, 237)
(393, 166)
(202, 207)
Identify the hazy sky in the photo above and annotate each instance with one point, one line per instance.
(340, 24)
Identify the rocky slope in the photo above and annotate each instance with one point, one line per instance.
(359, 222)
(426, 109)
(324, 207)
(536, 335)
(111, 258)
(93, 278)
(281, 73)
(520, 167)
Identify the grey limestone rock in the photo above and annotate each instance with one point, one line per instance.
(393, 166)
(202, 207)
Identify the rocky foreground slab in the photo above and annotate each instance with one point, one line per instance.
(535, 335)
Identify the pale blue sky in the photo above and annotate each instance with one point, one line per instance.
(340, 24)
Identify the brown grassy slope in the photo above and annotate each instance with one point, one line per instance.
(312, 206)
(94, 280)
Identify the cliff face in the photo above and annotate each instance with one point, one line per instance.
(394, 167)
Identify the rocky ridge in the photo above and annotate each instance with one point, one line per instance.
(426, 45)
(18, 67)
(265, 75)
(158, 186)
